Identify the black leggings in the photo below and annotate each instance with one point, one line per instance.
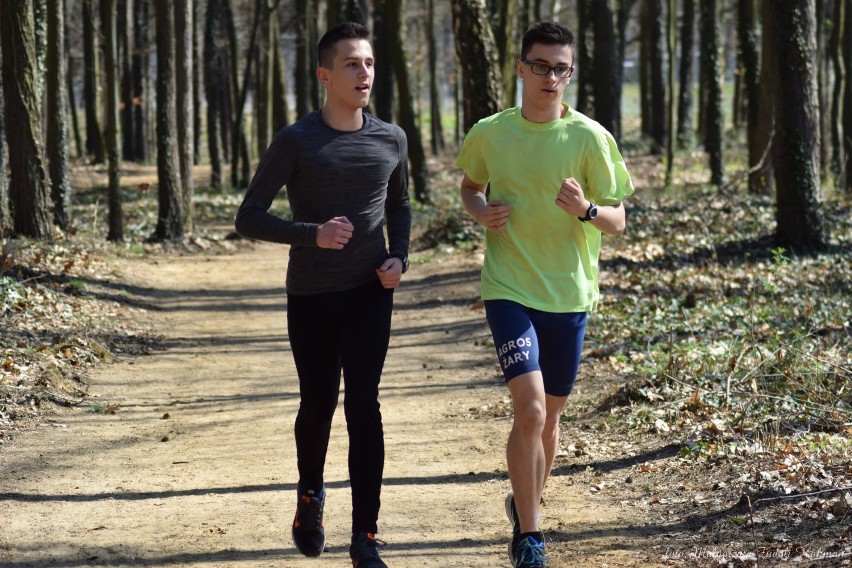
(346, 330)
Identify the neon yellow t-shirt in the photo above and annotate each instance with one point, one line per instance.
(544, 259)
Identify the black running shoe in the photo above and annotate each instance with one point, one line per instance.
(512, 514)
(364, 551)
(308, 527)
(527, 550)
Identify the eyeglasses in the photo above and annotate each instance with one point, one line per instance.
(561, 71)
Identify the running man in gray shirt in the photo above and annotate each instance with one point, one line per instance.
(345, 172)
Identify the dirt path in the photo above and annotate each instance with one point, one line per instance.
(197, 466)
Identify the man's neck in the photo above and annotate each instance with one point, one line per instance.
(542, 115)
(344, 119)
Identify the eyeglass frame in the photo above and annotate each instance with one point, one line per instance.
(550, 69)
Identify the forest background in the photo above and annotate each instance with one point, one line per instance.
(131, 127)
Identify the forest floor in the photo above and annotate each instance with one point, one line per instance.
(179, 451)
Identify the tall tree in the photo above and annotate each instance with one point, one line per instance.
(685, 131)
(394, 16)
(672, 50)
(215, 81)
(384, 83)
(847, 96)
(835, 51)
(749, 62)
(94, 142)
(5, 211)
(437, 129)
(170, 215)
(124, 32)
(607, 94)
(28, 189)
(57, 127)
(762, 180)
(139, 79)
(304, 99)
(711, 69)
(280, 106)
(113, 150)
(655, 96)
(505, 19)
(584, 64)
(795, 157)
(476, 51)
(184, 112)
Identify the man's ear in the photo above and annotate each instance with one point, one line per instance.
(520, 68)
(322, 75)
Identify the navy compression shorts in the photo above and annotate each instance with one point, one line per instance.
(532, 340)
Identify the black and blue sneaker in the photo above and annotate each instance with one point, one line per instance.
(527, 550)
(364, 551)
(308, 526)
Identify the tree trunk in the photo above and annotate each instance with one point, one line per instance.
(28, 188)
(94, 142)
(72, 101)
(711, 68)
(419, 172)
(40, 23)
(672, 51)
(57, 127)
(5, 210)
(685, 130)
(214, 78)
(763, 181)
(607, 102)
(656, 83)
(170, 217)
(504, 26)
(847, 96)
(141, 39)
(263, 85)
(125, 35)
(749, 65)
(108, 20)
(476, 51)
(437, 129)
(184, 113)
(837, 103)
(796, 153)
(383, 84)
(280, 106)
(583, 74)
(197, 66)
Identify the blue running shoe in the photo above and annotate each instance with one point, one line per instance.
(527, 550)
(364, 551)
(308, 526)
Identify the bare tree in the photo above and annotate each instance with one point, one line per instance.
(835, 51)
(796, 153)
(476, 51)
(139, 80)
(94, 142)
(685, 131)
(384, 83)
(57, 127)
(5, 212)
(28, 190)
(711, 69)
(170, 215)
(762, 180)
(112, 147)
(749, 61)
(437, 133)
(184, 72)
(419, 172)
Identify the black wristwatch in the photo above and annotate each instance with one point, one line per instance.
(591, 213)
(404, 260)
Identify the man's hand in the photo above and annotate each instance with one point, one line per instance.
(494, 215)
(334, 233)
(571, 198)
(390, 272)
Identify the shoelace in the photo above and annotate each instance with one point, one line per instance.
(531, 553)
(310, 512)
(369, 547)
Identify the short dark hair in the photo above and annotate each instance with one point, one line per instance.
(326, 45)
(547, 33)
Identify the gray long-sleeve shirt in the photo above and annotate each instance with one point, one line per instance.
(362, 175)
